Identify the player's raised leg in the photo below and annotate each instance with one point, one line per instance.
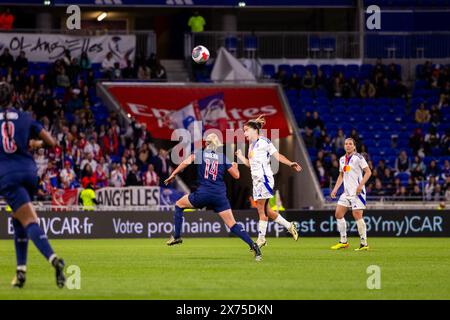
(362, 230)
(180, 205)
(228, 219)
(342, 227)
(277, 218)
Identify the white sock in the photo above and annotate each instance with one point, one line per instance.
(22, 268)
(262, 229)
(282, 221)
(362, 231)
(342, 228)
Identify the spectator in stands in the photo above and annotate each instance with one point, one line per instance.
(447, 190)
(68, 176)
(392, 73)
(438, 194)
(432, 142)
(350, 89)
(282, 78)
(367, 90)
(144, 155)
(150, 177)
(89, 160)
(128, 71)
(402, 163)
(321, 80)
(196, 22)
(378, 191)
(309, 138)
(316, 122)
(73, 71)
(387, 178)
(334, 171)
(355, 136)
(308, 81)
(144, 72)
(338, 85)
(134, 177)
(378, 69)
(108, 65)
(101, 177)
(87, 175)
(62, 80)
(295, 82)
(41, 161)
(111, 143)
(435, 116)
(401, 194)
(339, 141)
(21, 61)
(321, 173)
(6, 60)
(158, 72)
(162, 164)
(7, 20)
(384, 90)
(416, 194)
(422, 114)
(429, 188)
(117, 179)
(85, 62)
(445, 170)
(418, 168)
(117, 72)
(433, 170)
(45, 189)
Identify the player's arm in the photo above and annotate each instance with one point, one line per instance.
(234, 171)
(46, 140)
(286, 161)
(367, 174)
(337, 186)
(241, 157)
(186, 162)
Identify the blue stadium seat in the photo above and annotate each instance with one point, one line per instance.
(354, 101)
(285, 67)
(354, 109)
(327, 70)
(322, 100)
(369, 110)
(268, 71)
(299, 69)
(339, 109)
(339, 68)
(313, 68)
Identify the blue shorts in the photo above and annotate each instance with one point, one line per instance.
(18, 188)
(217, 202)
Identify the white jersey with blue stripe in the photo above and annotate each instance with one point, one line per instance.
(259, 155)
(352, 169)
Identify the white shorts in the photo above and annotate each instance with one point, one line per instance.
(263, 187)
(354, 202)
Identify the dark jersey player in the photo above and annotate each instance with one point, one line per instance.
(211, 192)
(18, 182)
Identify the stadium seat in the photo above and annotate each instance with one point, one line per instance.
(299, 69)
(268, 71)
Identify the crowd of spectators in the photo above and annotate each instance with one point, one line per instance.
(103, 153)
(383, 82)
(406, 178)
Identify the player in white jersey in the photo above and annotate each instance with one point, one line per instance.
(259, 154)
(352, 166)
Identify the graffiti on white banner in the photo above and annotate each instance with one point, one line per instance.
(49, 47)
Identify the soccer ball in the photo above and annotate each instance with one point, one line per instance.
(200, 54)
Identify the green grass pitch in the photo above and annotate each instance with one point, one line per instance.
(411, 268)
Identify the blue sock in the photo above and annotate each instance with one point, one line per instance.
(21, 243)
(178, 220)
(40, 240)
(238, 230)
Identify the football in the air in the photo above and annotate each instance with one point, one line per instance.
(200, 54)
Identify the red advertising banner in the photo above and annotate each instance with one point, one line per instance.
(154, 104)
(61, 198)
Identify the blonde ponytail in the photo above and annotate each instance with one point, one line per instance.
(213, 142)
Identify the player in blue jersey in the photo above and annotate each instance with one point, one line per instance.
(19, 180)
(211, 192)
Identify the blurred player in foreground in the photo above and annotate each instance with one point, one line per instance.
(211, 191)
(258, 160)
(19, 180)
(351, 168)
